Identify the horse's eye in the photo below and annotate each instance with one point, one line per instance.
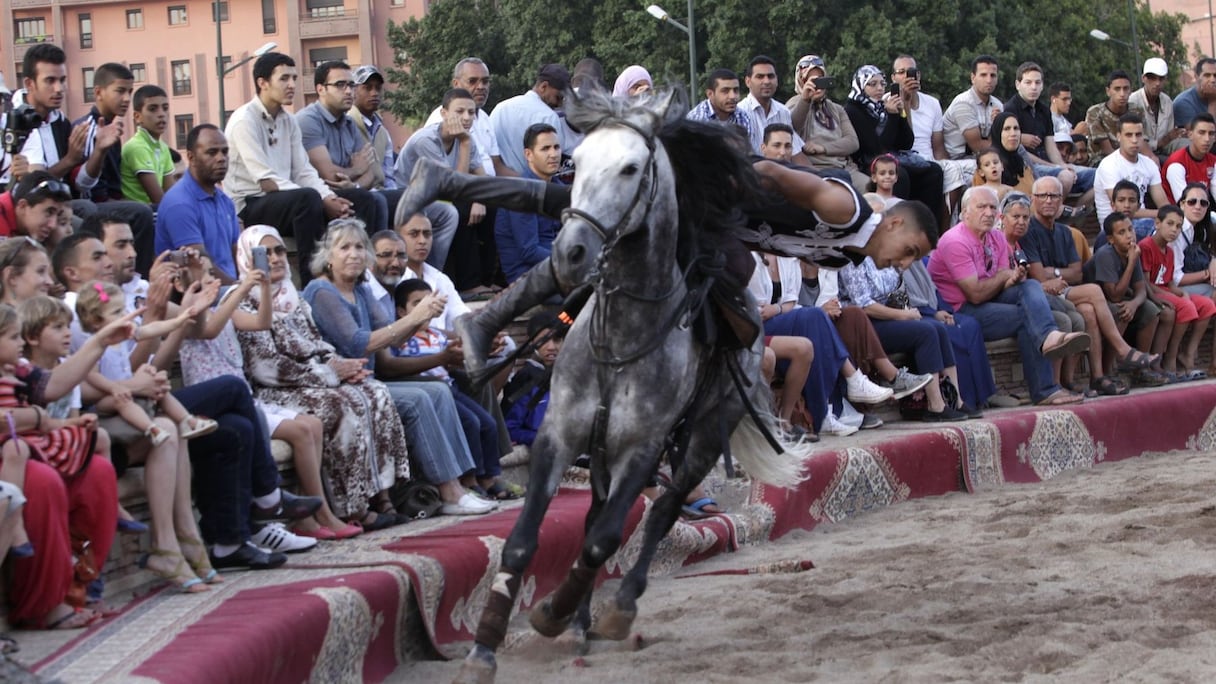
(629, 170)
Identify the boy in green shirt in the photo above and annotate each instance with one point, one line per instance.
(147, 166)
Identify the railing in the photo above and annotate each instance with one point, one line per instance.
(327, 12)
(30, 40)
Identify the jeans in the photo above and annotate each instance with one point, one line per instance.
(1085, 175)
(231, 465)
(432, 429)
(444, 221)
(1021, 310)
(299, 213)
(926, 339)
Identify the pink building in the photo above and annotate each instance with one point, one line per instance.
(172, 43)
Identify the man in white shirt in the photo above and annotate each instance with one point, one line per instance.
(269, 176)
(1127, 163)
(925, 115)
(473, 75)
(511, 118)
(1160, 132)
(761, 81)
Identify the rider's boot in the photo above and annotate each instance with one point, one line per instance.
(477, 330)
(433, 181)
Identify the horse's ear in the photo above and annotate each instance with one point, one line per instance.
(670, 106)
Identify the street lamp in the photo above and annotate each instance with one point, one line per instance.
(220, 70)
(662, 15)
(1099, 34)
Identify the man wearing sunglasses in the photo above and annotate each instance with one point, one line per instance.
(33, 206)
(1194, 163)
(195, 213)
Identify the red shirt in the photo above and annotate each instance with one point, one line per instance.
(8, 215)
(1158, 263)
(1197, 171)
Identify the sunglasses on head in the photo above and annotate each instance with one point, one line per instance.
(50, 186)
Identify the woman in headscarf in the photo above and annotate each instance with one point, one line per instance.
(882, 127)
(634, 80)
(1007, 134)
(828, 134)
(291, 365)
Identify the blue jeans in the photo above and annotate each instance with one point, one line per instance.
(1085, 175)
(1022, 311)
(231, 465)
(432, 429)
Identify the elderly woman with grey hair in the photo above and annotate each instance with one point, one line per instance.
(349, 317)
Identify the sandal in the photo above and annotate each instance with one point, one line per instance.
(504, 491)
(193, 426)
(1135, 360)
(181, 577)
(202, 566)
(1087, 391)
(76, 618)
(156, 435)
(1194, 374)
(1066, 345)
(1060, 397)
(8, 645)
(1107, 386)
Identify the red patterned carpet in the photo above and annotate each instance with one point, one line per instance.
(357, 610)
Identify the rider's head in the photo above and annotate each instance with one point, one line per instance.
(905, 233)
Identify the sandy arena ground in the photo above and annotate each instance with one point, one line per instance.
(1100, 575)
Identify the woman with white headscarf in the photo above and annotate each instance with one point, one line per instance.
(634, 80)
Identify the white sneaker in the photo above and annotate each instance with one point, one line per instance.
(276, 537)
(468, 505)
(907, 383)
(862, 390)
(835, 428)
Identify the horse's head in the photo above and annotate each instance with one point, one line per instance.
(622, 176)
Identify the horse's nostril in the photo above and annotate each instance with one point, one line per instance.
(577, 254)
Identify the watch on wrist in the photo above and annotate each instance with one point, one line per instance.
(1057, 272)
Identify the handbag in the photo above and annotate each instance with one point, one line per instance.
(416, 500)
(1195, 257)
(898, 299)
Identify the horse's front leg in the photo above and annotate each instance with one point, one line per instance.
(542, 618)
(549, 461)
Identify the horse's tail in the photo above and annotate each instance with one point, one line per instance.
(752, 450)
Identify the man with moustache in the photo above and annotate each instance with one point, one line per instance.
(721, 102)
(195, 213)
(473, 75)
(761, 81)
(512, 117)
(967, 122)
(401, 255)
(270, 177)
(1200, 97)
(525, 239)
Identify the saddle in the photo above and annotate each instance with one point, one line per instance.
(732, 321)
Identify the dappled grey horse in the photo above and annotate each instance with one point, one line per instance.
(632, 372)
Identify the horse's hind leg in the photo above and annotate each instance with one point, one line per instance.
(616, 620)
(480, 665)
(602, 540)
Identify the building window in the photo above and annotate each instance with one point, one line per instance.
(396, 3)
(325, 8)
(181, 77)
(223, 11)
(135, 19)
(139, 72)
(31, 30)
(86, 77)
(268, 22)
(319, 56)
(177, 15)
(86, 31)
(182, 123)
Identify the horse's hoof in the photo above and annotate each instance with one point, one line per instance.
(478, 668)
(615, 622)
(544, 623)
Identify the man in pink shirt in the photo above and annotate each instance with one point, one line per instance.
(973, 269)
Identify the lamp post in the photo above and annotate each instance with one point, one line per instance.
(662, 15)
(1099, 34)
(220, 71)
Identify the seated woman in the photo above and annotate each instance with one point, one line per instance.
(1016, 173)
(350, 319)
(292, 366)
(830, 140)
(902, 328)
(883, 128)
(1196, 244)
(634, 80)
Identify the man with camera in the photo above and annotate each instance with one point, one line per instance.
(33, 206)
(195, 213)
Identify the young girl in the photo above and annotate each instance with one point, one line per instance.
(989, 169)
(97, 304)
(46, 329)
(216, 351)
(884, 171)
(65, 443)
(431, 350)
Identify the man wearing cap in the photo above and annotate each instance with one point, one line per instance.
(511, 118)
(33, 206)
(1160, 133)
(365, 111)
(1200, 97)
(337, 150)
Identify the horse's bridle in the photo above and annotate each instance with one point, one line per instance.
(610, 236)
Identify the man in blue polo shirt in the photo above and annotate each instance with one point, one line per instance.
(194, 212)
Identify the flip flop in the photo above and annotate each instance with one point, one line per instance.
(1067, 345)
(696, 509)
(1060, 397)
(1194, 374)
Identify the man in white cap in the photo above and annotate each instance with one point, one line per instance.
(1162, 136)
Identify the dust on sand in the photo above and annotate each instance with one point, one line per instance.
(1098, 575)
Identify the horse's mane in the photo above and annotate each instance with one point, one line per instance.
(711, 162)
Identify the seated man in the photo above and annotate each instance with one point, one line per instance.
(1116, 268)
(33, 206)
(511, 117)
(1161, 134)
(1052, 254)
(778, 142)
(524, 239)
(1128, 163)
(1038, 133)
(972, 270)
(721, 102)
(270, 178)
(967, 122)
(1103, 118)
(1194, 163)
(147, 161)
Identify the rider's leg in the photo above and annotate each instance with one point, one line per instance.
(477, 330)
(433, 181)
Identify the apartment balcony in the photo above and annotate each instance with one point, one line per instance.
(21, 45)
(329, 22)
